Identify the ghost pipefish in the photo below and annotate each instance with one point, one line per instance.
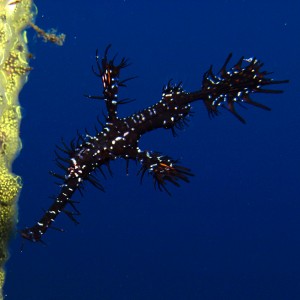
(119, 137)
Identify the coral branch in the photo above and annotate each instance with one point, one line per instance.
(50, 36)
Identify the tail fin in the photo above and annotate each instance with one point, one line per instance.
(235, 85)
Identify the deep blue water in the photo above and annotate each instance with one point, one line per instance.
(233, 232)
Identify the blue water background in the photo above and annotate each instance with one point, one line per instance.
(233, 232)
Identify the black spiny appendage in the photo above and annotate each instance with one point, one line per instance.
(180, 113)
(235, 86)
(163, 169)
(119, 137)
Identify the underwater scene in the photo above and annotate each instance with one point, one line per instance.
(159, 150)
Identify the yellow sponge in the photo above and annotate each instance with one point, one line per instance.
(15, 16)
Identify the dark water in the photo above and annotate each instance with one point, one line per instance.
(233, 232)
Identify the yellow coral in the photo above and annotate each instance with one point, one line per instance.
(15, 16)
